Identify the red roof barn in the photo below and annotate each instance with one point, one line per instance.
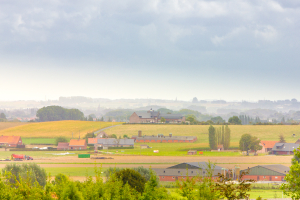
(77, 144)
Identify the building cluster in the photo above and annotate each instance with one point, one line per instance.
(201, 169)
(278, 148)
(152, 116)
(160, 138)
(74, 144)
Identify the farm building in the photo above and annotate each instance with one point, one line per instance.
(152, 116)
(284, 148)
(266, 146)
(192, 152)
(267, 173)
(298, 141)
(11, 141)
(77, 144)
(63, 146)
(220, 147)
(112, 142)
(183, 170)
(160, 138)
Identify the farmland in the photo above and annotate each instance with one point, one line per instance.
(263, 132)
(56, 128)
(5, 125)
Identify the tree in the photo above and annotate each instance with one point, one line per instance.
(133, 178)
(91, 117)
(248, 142)
(234, 120)
(254, 146)
(31, 171)
(281, 138)
(60, 139)
(223, 135)
(125, 136)
(292, 186)
(218, 136)
(101, 119)
(114, 136)
(162, 119)
(2, 116)
(230, 190)
(191, 119)
(217, 120)
(227, 138)
(57, 113)
(245, 142)
(212, 137)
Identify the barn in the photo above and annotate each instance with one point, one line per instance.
(77, 144)
(267, 173)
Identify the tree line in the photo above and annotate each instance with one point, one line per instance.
(29, 181)
(219, 136)
(58, 113)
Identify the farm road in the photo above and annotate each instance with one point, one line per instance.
(98, 131)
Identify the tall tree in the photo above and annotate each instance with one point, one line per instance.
(245, 142)
(212, 137)
(281, 138)
(223, 135)
(227, 138)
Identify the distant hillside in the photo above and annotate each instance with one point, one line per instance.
(5, 125)
(56, 128)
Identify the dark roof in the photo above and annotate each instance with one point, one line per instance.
(277, 168)
(150, 137)
(199, 165)
(285, 147)
(143, 114)
(171, 116)
(113, 141)
(274, 169)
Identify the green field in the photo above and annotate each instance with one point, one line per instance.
(38, 140)
(56, 128)
(73, 171)
(254, 193)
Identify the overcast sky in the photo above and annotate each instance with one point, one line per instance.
(232, 50)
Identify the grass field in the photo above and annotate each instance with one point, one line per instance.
(56, 128)
(73, 171)
(254, 193)
(263, 132)
(38, 140)
(5, 125)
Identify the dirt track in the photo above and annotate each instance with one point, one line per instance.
(159, 161)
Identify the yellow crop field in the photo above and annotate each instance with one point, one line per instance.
(5, 125)
(263, 132)
(56, 128)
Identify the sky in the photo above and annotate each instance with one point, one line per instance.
(158, 49)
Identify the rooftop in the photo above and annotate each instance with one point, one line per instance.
(77, 142)
(9, 139)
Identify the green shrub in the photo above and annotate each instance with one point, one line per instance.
(133, 178)
(61, 139)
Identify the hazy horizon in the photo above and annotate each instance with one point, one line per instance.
(232, 50)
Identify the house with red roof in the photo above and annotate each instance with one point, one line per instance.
(266, 146)
(77, 144)
(10, 141)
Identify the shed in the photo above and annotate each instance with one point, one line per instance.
(192, 152)
(63, 146)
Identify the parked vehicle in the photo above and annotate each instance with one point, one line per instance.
(20, 157)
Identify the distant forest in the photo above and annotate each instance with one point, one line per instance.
(57, 113)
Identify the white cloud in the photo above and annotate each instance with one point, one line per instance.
(266, 33)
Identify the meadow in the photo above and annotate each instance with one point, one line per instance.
(56, 128)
